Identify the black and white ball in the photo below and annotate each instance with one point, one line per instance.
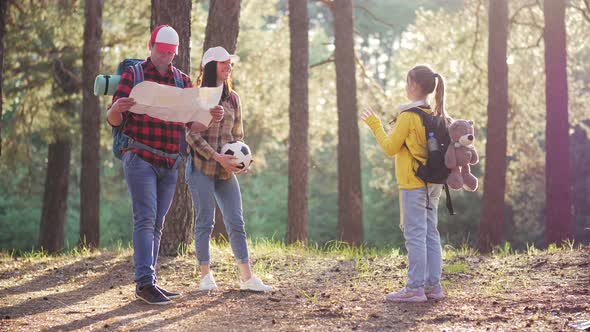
(239, 150)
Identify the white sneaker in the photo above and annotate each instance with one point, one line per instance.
(207, 282)
(254, 284)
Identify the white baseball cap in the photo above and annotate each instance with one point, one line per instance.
(218, 54)
(165, 39)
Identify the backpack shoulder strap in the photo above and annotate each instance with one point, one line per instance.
(426, 118)
(137, 70)
(178, 81)
(137, 73)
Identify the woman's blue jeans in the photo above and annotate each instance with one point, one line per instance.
(205, 191)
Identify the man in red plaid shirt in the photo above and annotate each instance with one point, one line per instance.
(151, 172)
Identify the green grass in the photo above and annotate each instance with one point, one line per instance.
(459, 267)
(267, 251)
(503, 251)
(450, 252)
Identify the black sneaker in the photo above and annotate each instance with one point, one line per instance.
(150, 294)
(170, 295)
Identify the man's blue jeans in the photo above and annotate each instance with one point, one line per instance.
(152, 190)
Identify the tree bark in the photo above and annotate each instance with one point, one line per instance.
(178, 228)
(91, 119)
(557, 173)
(297, 218)
(53, 217)
(580, 159)
(350, 198)
(55, 196)
(223, 27)
(493, 210)
(3, 10)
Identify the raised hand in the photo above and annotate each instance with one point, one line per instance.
(367, 113)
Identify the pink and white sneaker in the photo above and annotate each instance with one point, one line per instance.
(407, 295)
(435, 293)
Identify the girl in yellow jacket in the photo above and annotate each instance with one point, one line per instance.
(407, 142)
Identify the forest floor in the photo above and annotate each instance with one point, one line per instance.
(316, 290)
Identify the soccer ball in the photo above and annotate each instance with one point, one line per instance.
(239, 150)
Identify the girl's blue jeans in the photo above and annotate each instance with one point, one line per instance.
(421, 235)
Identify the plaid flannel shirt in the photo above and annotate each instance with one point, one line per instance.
(205, 144)
(158, 134)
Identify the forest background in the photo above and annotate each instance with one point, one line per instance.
(391, 36)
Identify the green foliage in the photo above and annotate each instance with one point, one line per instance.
(452, 37)
(461, 59)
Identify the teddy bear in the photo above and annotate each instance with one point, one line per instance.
(460, 154)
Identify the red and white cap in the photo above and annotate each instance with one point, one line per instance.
(165, 39)
(218, 54)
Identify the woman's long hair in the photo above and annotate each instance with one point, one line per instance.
(426, 78)
(208, 78)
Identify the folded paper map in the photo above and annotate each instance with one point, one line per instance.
(174, 104)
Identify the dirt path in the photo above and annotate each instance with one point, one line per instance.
(326, 292)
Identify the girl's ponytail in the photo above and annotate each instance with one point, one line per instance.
(439, 95)
(439, 98)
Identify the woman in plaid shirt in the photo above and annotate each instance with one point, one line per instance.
(211, 175)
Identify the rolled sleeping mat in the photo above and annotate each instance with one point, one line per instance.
(105, 85)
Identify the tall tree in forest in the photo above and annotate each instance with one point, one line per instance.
(53, 215)
(91, 119)
(580, 159)
(3, 10)
(558, 224)
(350, 198)
(493, 210)
(223, 27)
(178, 229)
(299, 122)
(65, 86)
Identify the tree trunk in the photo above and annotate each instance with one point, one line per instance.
(557, 173)
(580, 159)
(493, 210)
(89, 176)
(299, 123)
(350, 198)
(3, 10)
(177, 14)
(53, 217)
(223, 26)
(178, 230)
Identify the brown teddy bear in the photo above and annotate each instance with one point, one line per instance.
(460, 154)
